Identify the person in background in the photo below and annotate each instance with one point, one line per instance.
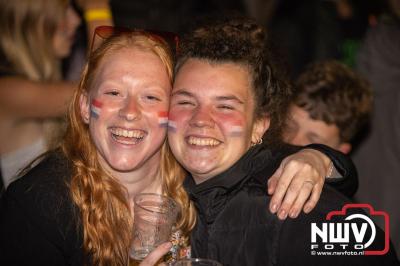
(35, 37)
(331, 105)
(227, 110)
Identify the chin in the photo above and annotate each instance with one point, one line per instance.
(63, 53)
(121, 165)
(123, 168)
(198, 170)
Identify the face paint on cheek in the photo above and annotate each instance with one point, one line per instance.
(172, 127)
(163, 119)
(236, 129)
(95, 108)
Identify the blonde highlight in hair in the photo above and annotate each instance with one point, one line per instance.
(27, 30)
(104, 211)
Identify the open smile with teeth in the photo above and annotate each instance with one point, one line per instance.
(127, 136)
(202, 141)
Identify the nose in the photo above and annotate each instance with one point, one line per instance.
(202, 117)
(130, 109)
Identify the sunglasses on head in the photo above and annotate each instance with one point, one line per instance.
(102, 33)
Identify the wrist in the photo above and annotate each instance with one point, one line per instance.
(327, 166)
(97, 14)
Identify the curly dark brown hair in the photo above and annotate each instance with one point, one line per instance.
(242, 41)
(332, 92)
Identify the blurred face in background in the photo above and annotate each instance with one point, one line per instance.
(64, 36)
(302, 130)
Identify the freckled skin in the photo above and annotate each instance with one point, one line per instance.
(132, 96)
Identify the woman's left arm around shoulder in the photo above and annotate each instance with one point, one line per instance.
(297, 184)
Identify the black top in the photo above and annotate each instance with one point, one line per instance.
(38, 221)
(235, 227)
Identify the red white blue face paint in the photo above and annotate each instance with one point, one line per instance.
(172, 127)
(95, 108)
(236, 130)
(163, 119)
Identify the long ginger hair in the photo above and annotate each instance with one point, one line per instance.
(102, 201)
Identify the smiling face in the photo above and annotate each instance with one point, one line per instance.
(212, 114)
(303, 130)
(130, 90)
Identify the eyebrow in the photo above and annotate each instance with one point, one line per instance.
(229, 98)
(183, 92)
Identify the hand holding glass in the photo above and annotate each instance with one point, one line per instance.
(154, 217)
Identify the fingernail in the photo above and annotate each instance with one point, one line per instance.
(282, 215)
(293, 214)
(307, 209)
(274, 207)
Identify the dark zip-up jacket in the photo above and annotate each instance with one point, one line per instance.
(234, 228)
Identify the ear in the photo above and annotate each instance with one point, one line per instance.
(345, 147)
(260, 126)
(84, 107)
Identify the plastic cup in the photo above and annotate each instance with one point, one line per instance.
(154, 217)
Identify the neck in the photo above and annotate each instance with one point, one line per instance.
(145, 179)
(142, 181)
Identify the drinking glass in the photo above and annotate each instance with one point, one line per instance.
(154, 217)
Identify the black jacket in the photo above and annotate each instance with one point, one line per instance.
(235, 227)
(39, 225)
